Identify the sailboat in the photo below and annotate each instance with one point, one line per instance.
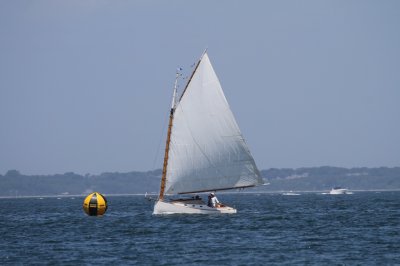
(205, 150)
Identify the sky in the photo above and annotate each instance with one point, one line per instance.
(85, 86)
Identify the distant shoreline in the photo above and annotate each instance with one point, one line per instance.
(222, 193)
(305, 180)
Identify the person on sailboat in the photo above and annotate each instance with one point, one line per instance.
(213, 202)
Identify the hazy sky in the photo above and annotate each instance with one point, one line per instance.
(85, 86)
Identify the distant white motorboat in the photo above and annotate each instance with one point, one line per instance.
(339, 191)
(205, 150)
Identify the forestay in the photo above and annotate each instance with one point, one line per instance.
(207, 150)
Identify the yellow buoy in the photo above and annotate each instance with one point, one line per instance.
(95, 204)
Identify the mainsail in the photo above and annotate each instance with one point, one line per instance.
(207, 151)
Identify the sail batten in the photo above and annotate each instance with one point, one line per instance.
(207, 150)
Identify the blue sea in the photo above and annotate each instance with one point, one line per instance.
(269, 229)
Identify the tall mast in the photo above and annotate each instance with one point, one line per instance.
(171, 117)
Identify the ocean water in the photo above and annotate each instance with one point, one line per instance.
(269, 229)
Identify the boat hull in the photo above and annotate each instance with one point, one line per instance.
(339, 191)
(162, 207)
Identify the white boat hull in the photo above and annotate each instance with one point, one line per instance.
(162, 207)
(339, 191)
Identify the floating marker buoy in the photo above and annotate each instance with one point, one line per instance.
(95, 204)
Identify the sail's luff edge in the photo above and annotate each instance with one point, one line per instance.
(191, 76)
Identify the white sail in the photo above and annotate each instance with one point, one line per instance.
(207, 150)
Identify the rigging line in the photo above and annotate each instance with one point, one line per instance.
(159, 142)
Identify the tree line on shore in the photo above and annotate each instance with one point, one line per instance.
(15, 184)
